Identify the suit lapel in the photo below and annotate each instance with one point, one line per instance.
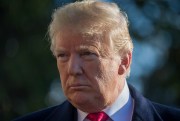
(64, 112)
(143, 108)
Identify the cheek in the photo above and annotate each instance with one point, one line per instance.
(92, 70)
(109, 73)
(62, 73)
(98, 76)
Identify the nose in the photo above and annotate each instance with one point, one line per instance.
(75, 65)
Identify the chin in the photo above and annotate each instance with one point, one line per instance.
(79, 98)
(87, 103)
(89, 108)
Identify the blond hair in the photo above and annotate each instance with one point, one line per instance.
(92, 17)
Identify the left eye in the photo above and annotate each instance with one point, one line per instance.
(87, 53)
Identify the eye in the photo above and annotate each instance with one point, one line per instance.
(88, 55)
(62, 56)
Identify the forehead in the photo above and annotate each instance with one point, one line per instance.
(74, 41)
(70, 37)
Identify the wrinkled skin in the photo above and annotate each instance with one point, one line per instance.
(92, 75)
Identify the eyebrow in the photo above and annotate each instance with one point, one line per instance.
(85, 47)
(60, 49)
(82, 47)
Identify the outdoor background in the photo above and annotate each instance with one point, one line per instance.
(29, 79)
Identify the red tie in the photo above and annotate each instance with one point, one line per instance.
(99, 116)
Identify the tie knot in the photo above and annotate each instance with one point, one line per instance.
(99, 116)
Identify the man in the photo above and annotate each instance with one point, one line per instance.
(93, 48)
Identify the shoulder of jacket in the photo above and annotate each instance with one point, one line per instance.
(167, 113)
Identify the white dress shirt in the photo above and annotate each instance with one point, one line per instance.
(120, 110)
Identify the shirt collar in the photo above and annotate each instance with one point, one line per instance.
(119, 103)
(113, 111)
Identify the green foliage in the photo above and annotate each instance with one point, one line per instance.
(27, 65)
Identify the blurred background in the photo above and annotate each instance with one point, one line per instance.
(29, 79)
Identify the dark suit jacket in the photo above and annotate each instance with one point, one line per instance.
(144, 110)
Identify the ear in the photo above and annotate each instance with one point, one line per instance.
(125, 63)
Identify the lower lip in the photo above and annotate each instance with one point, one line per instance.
(78, 87)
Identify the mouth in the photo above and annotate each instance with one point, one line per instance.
(78, 86)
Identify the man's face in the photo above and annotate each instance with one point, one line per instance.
(88, 70)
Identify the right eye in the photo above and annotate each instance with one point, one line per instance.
(62, 56)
